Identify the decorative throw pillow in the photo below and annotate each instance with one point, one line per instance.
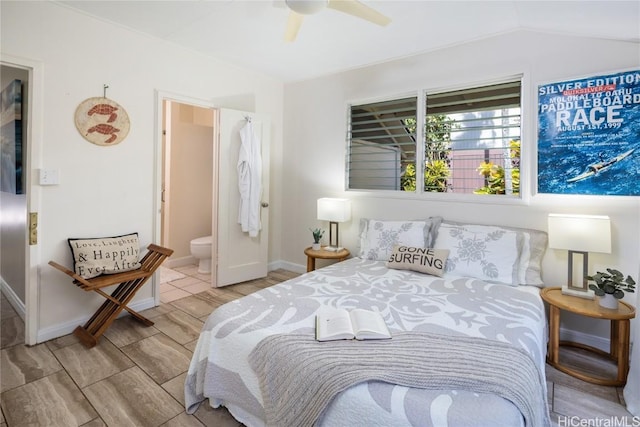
(105, 255)
(534, 245)
(487, 253)
(423, 260)
(378, 238)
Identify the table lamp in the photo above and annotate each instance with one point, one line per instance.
(579, 234)
(334, 211)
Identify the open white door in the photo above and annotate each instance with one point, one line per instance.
(239, 257)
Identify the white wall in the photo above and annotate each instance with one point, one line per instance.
(315, 129)
(110, 190)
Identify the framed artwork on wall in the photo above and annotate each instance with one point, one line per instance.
(589, 135)
(11, 179)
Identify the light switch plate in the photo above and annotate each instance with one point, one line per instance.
(49, 177)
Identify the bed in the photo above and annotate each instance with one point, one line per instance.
(480, 330)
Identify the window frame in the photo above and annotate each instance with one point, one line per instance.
(527, 149)
(374, 100)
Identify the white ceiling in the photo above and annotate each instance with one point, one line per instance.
(251, 33)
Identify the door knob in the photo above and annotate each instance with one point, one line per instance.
(264, 204)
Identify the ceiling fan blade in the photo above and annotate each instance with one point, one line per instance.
(360, 10)
(293, 25)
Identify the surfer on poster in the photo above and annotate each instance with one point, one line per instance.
(601, 166)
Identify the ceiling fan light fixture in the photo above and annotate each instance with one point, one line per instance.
(307, 7)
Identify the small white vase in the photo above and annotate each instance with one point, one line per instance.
(608, 301)
(315, 246)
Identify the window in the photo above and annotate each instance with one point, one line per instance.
(382, 144)
(471, 142)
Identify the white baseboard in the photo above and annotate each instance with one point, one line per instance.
(588, 339)
(66, 328)
(286, 265)
(13, 299)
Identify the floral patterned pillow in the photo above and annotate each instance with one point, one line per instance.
(378, 237)
(488, 253)
(534, 245)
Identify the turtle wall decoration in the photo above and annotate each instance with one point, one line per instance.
(102, 121)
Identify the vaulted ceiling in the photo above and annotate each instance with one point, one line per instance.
(251, 33)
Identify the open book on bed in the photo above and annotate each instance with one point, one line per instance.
(345, 325)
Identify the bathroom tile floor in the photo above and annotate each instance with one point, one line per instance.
(182, 282)
(135, 375)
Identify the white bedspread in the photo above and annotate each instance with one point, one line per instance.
(408, 301)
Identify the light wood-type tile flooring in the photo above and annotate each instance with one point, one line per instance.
(135, 375)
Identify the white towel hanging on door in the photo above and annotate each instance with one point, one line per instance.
(249, 180)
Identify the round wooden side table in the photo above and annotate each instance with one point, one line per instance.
(322, 253)
(619, 339)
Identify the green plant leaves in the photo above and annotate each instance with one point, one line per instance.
(317, 234)
(613, 282)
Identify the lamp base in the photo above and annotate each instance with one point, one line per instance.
(571, 288)
(333, 243)
(588, 294)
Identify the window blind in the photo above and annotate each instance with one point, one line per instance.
(472, 140)
(382, 143)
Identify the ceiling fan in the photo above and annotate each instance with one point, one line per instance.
(300, 8)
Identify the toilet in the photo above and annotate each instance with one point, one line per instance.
(201, 250)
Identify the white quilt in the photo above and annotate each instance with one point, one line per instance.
(408, 301)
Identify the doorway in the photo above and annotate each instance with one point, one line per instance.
(187, 180)
(236, 256)
(18, 268)
(13, 191)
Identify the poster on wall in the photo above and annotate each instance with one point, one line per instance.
(589, 135)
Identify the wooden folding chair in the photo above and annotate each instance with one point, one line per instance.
(129, 282)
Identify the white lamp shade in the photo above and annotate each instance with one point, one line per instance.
(585, 233)
(335, 210)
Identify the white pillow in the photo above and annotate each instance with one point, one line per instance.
(534, 245)
(378, 237)
(483, 252)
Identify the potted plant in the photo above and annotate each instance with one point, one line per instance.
(611, 286)
(317, 235)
